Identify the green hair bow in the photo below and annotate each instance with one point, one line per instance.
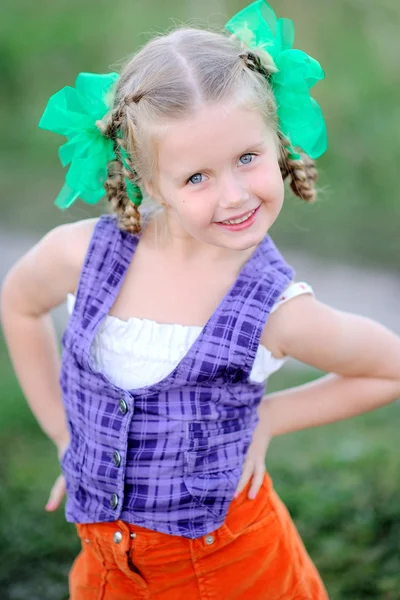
(73, 112)
(300, 117)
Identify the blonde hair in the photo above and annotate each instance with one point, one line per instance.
(167, 79)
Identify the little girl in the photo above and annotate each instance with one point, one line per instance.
(180, 312)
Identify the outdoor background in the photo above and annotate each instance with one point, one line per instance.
(341, 483)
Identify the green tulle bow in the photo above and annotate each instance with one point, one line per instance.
(300, 117)
(73, 112)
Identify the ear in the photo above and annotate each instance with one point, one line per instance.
(149, 188)
(152, 191)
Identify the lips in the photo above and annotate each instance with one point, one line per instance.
(245, 214)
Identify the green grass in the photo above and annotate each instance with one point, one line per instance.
(36, 548)
(341, 484)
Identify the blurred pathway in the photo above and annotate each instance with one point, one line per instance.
(370, 292)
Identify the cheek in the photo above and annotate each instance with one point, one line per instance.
(269, 184)
(196, 208)
(279, 187)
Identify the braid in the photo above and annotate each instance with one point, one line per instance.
(127, 212)
(111, 122)
(302, 171)
(254, 63)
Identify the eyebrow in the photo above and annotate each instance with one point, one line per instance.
(260, 144)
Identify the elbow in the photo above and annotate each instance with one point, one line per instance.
(9, 294)
(5, 297)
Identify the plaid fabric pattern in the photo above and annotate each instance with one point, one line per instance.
(168, 456)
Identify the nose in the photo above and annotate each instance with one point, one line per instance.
(232, 193)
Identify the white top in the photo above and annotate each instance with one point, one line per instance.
(139, 352)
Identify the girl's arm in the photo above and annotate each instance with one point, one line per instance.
(362, 356)
(36, 284)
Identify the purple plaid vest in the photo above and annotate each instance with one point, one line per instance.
(168, 456)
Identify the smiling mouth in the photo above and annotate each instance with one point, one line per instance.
(238, 220)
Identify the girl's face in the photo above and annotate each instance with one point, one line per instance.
(219, 165)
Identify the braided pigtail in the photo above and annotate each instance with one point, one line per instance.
(302, 171)
(121, 174)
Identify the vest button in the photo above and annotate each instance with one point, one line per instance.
(123, 407)
(209, 539)
(117, 537)
(116, 458)
(114, 501)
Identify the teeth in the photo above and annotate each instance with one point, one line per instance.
(241, 220)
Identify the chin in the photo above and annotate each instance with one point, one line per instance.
(243, 240)
(241, 243)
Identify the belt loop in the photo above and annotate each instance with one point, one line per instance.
(124, 527)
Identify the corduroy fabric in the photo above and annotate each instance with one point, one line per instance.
(168, 456)
(256, 554)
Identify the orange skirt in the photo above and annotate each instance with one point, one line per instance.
(257, 554)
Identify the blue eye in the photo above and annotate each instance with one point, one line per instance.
(196, 178)
(246, 158)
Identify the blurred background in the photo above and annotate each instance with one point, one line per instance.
(341, 483)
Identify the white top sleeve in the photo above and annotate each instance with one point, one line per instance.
(293, 289)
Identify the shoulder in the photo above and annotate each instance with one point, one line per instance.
(70, 241)
(42, 278)
(79, 231)
(66, 245)
(289, 307)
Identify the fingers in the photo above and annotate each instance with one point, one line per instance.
(57, 494)
(254, 471)
(244, 478)
(256, 483)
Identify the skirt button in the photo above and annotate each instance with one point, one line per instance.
(209, 539)
(117, 537)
